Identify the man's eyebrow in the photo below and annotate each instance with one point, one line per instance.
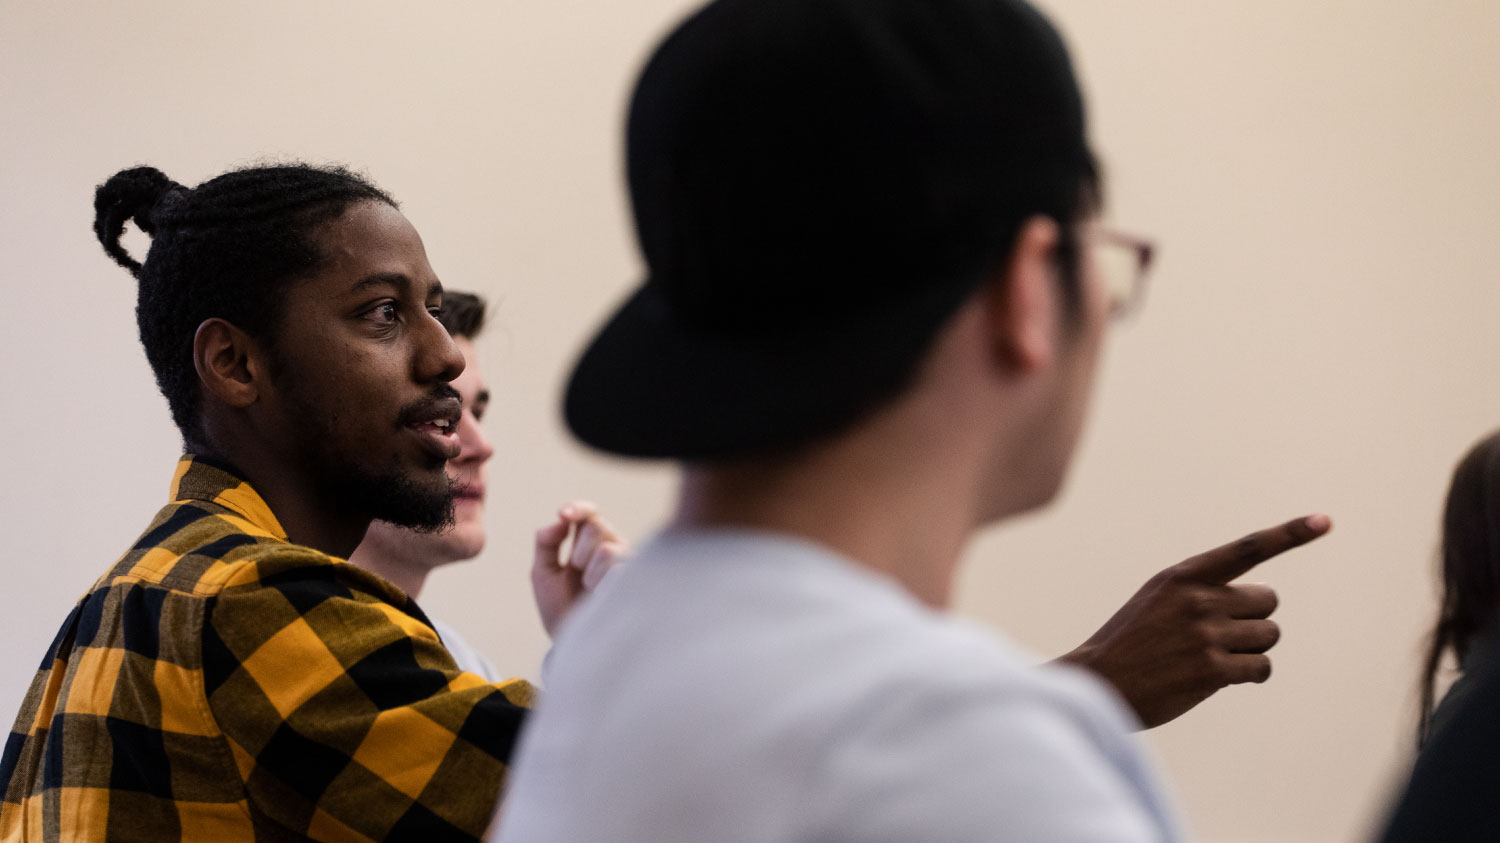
(393, 279)
(380, 279)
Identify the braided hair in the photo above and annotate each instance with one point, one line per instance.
(228, 248)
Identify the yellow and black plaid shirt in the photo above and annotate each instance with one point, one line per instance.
(220, 683)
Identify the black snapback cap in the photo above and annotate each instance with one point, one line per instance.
(817, 186)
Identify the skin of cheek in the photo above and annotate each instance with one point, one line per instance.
(350, 387)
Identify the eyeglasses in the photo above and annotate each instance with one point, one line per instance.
(1123, 260)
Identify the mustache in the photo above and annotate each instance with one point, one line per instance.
(423, 408)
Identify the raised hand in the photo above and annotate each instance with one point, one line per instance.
(559, 580)
(1190, 631)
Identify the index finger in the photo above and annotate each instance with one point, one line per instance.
(576, 511)
(1225, 563)
(549, 542)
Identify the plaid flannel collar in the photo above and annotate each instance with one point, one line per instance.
(202, 479)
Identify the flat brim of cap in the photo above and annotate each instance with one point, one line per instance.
(651, 386)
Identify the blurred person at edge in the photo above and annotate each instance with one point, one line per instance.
(877, 289)
(1450, 793)
(406, 557)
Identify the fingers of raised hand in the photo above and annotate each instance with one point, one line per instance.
(1249, 600)
(1238, 668)
(1222, 625)
(1249, 636)
(585, 542)
(576, 511)
(550, 538)
(1226, 562)
(596, 549)
(549, 542)
(605, 557)
(1233, 617)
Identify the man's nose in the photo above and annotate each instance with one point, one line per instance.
(437, 356)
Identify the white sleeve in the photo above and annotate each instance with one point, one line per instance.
(986, 763)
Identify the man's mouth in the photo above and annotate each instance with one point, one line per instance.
(436, 421)
(470, 492)
(434, 425)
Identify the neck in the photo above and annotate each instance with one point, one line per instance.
(904, 514)
(902, 490)
(406, 574)
(305, 513)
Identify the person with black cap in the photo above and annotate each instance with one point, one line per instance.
(877, 290)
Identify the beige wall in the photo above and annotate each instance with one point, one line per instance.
(1321, 177)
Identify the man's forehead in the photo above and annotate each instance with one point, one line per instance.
(372, 243)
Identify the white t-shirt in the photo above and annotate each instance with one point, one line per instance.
(735, 686)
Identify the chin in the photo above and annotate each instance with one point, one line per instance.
(466, 539)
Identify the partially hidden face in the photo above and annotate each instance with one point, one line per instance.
(363, 370)
(468, 469)
(1061, 390)
(1081, 344)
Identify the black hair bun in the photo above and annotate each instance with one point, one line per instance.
(133, 194)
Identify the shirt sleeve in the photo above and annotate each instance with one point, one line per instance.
(346, 716)
(983, 763)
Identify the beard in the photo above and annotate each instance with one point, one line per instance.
(390, 495)
(345, 478)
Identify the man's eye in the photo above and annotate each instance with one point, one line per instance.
(384, 313)
(437, 312)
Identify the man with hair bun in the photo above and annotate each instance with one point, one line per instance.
(877, 288)
(231, 677)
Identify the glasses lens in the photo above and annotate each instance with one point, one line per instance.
(1119, 269)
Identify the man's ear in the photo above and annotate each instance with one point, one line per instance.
(1024, 299)
(229, 363)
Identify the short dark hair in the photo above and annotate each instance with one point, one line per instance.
(463, 314)
(228, 248)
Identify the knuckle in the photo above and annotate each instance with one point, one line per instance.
(1249, 546)
(1167, 575)
(1198, 602)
